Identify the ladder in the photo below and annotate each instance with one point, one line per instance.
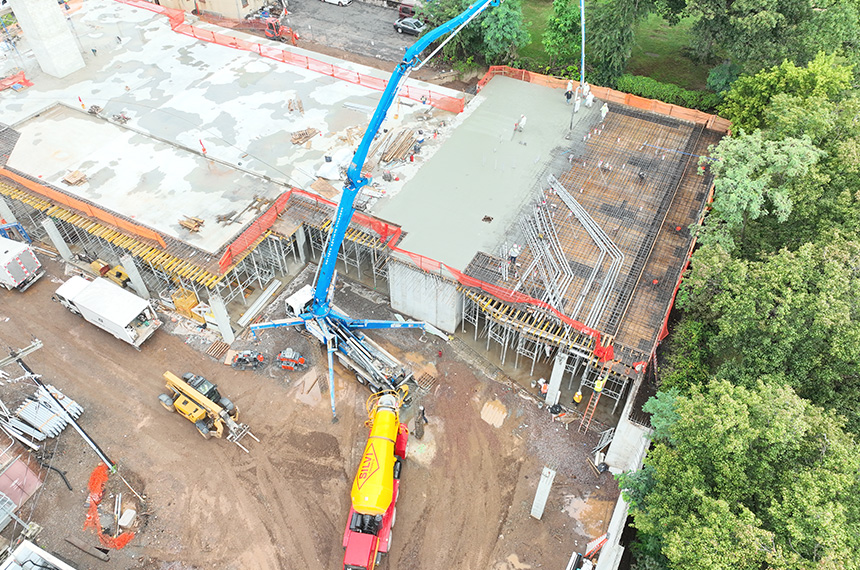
(589, 412)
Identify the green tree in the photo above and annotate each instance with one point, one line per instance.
(745, 103)
(494, 35)
(562, 38)
(792, 316)
(754, 177)
(751, 478)
(760, 33)
(503, 32)
(609, 36)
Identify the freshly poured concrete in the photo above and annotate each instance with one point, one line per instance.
(484, 169)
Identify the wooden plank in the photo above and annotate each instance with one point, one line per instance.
(91, 550)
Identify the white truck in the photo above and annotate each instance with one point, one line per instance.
(110, 307)
(19, 267)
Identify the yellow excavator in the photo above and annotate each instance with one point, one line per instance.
(198, 400)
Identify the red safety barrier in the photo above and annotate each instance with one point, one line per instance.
(390, 235)
(13, 80)
(86, 209)
(96, 486)
(712, 122)
(178, 24)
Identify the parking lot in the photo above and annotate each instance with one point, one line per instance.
(358, 28)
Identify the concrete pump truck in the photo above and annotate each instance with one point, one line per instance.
(377, 483)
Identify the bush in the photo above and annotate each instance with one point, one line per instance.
(668, 93)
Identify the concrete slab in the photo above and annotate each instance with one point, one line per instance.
(189, 94)
(484, 170)
(155, 183)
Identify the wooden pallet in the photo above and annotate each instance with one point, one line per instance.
(218, 349)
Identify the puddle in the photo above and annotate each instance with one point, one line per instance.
(307, 391)
(590, 517)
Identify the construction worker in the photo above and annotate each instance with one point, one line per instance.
(577, 398)
(544, 386)
(421, 416)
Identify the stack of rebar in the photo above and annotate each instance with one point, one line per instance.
(400, 146)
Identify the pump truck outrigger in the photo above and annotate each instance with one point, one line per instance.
(329, 325)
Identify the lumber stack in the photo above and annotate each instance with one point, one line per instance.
(303, 136)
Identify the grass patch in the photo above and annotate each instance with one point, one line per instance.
(536, 14)
(660, 54)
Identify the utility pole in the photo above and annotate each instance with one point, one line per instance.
(17, 357)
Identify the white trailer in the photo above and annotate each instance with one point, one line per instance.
(110, 307)
(19, 267)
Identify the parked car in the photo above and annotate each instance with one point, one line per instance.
(339, 2)
(407, 10)
(409, 26)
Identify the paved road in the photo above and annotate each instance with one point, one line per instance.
(358, 28)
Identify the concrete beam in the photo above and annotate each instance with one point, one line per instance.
(553, 392)
(222, 318)
(6, 212)
(300, 244)
(56, 238)
(49, 36)
(136, 280)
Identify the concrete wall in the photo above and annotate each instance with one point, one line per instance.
(424, 297)
(233, 9)
(626, 453)
(49, 36)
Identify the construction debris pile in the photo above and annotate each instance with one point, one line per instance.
(39, 416)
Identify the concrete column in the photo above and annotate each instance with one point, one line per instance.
(222, 318)
(558, 368)
(133, 274)
(57, 239)
(6, 212)
(49, 36)
(300, 243)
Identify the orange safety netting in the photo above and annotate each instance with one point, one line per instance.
(248, 238)
(86, 209)
(96, 486)
(712, 122)
(389, 235)
(178, 24)
(13, 80)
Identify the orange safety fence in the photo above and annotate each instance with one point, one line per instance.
(96, 486)
(83, 207)
(13, 80)
(712, 122)
(390, 235)
(178, 24)
(247, 238)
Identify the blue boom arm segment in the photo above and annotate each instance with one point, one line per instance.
(370, 324)
(354, 179)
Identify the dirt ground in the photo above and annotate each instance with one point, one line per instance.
(466, 490)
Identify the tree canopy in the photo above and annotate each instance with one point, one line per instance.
(747, 478)
(750, 95)
(757, 34)
(495, 35)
